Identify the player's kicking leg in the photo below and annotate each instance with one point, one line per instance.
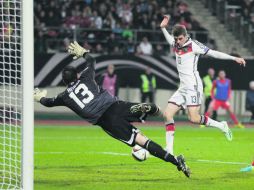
(157, 151)
(195, 117)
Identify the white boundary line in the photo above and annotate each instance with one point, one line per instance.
(125, 154)
(107, 153)
(222, 162)
(71, 138)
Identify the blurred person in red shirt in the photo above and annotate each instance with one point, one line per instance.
(220, 97)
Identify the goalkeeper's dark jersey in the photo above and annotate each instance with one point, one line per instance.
(84, 96)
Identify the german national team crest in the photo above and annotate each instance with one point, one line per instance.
(183, 50)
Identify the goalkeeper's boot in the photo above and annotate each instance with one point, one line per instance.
(239, 125)
(227, 132)
(182, 166)
(142, 107)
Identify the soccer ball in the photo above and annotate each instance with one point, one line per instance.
(139, 153)
(251, 85)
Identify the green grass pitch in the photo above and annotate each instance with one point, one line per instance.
(76, 157)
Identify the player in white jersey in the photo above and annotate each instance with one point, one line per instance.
(190, 92)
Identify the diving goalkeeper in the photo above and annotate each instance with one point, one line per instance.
(97, 106)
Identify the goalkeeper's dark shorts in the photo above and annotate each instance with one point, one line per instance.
(116, 121)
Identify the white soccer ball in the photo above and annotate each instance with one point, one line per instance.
(139, 153)
(251, 85)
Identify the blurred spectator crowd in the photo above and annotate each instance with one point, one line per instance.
(10, 24)
(239, 19)
(247, 9)
(108, 26)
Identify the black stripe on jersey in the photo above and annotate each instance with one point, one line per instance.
(206, 51)
(196, 87)
(202, 46)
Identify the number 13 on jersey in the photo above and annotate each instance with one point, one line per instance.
(179, 60)
(86, 94)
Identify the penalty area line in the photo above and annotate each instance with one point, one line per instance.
(125, 154)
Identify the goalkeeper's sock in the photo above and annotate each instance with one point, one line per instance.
(157, 151)
(211, 123)
(170, 132)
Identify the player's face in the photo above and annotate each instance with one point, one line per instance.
(180, 40)
(211, 72)
(111, 69)
(222, 75)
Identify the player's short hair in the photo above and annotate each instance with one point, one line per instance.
(69, 74)
(179, 30)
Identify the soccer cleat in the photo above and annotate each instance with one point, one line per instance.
(227, 132)
(247, 169)
(182, 166)
(143, 107)
(239, 125)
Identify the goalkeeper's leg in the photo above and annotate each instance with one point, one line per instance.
(157, 151)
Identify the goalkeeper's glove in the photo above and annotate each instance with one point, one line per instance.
(38, 94)
(76, 50)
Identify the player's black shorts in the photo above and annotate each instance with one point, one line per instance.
(116, 122)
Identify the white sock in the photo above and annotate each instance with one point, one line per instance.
(170, 131)
(212, 123)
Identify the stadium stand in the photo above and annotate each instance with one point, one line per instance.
(95, 21)
(237, 16)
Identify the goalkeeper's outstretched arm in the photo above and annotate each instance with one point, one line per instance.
(40, 96)
(90, 61)
(51, 102)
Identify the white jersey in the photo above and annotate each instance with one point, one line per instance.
(187, 60)
(190, 91)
